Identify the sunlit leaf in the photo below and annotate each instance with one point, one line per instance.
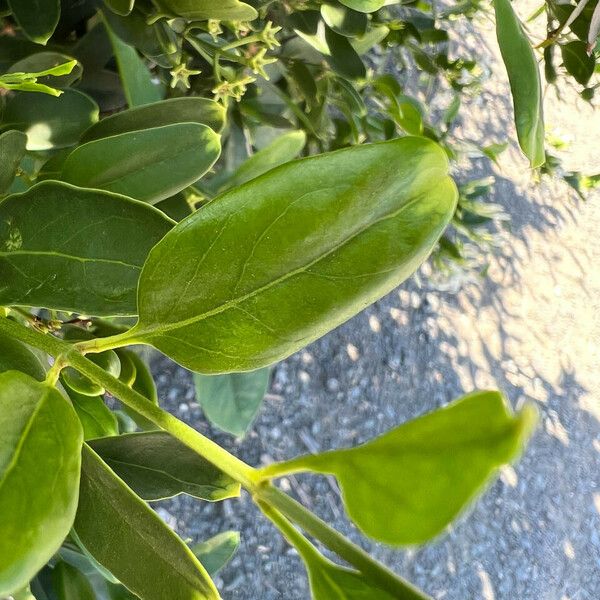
(216, 552)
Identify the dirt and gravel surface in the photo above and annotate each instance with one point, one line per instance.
(532, 329)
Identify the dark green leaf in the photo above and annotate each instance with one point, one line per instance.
(155, 465)
(200, 10)
(12, 151)
(524, 78)
(70, 583)
(43, 61)
(130, 540)
(343, 20)
(168, 112)
(150, 165)
(121, 7)
(266, 268)
(50, 122)
(216, 552)
(232, 401)
(407, 485)
(39, 475)
(72, 249)
(16, 356)
(37, 18)
(577, 61)
(96, 418)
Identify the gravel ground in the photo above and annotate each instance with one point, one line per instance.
(532, 329)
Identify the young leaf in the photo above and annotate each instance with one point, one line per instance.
(577, 61)
(232, 401)
(150, 165)
(129, 539)
(135, 76)
(38, 20)
(12, 151)
(216, 552)
(16, 356)
(272, 265)
(67, 248)
(96, 418)
(39, 476)
(200, 10)
(155, 465)
(168, 112)
(524, 78)
(70, 583)
(49, 68)
(407, 485)
(50, 122)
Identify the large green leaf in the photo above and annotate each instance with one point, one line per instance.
(135, 77)
(37, 18)
(39, 476)
(50, 122)
(200, 10)
(16, 356)
(155, 465)
(12, 151)
(129, 539)
(268, 267)
(524, 77)
(231, 401)
(168, 112)
(407, 485)
(577, 61)
(216, 552)
(345, 21)
(67, 248)
(70, 583)
(150, 165)
(121, 7)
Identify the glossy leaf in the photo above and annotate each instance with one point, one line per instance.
(155, 465)
(407, 485)
(130, 540)
(108, 361)
(37, 19)
(49, 61)
(39, 476)
(283, 149)
(232, 401)
(70, 583)
(265, 269)
(16, 356)
(12, 151)
(67, 248)
(50, 122)
(524, 77)
(200, 10)
(150, 165)
(366, 6)
(344, 21)
(577, 61)
(168, 112)
(135, 76)
(216, 552)
(121, 7)
(96, 418)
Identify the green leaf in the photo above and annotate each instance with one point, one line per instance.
(144, 385)
(232, 401)
(49, 68)
(343, 20)
(374, 35)
(407, 485)
(168, 112)
(283, 149)
(121, 7)
(129, 539)
(366, 6)
(524, 77)
(96, 418)
(108, 361)
(135, 76)
(150, 165)
(577, 61)
(216, 552)
(71, 249)
(200, 10)
(155, 465)
(12, 151)
(50, 122)
(39, 474)
(37, 18)
(16, 356)
(70, 583)
(265, 269)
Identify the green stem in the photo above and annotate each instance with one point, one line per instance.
(110, 342)
(335, 541)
